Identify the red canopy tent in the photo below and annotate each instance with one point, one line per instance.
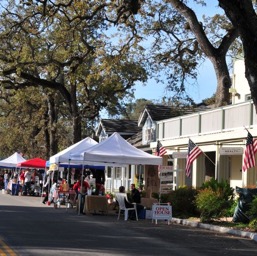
(33, 163)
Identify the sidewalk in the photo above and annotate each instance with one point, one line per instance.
(231, 231)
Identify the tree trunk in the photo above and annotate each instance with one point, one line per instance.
(223, 81)
(243, 16)
(251, 74)
(76, 128)
(216, 55)
(76, 119)
(50, 134)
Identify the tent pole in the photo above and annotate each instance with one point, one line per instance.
(68, 175)
(80, 193)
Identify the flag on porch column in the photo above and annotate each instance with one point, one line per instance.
(249, 153)
(193, 152)
(160, 150)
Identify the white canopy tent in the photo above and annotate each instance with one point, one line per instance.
(12, 161)
(116, 151)
(64, 156)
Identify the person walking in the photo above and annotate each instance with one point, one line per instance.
(6, 180)
(46, 185)
(27, 180)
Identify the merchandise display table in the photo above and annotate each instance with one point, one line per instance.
(96, 204)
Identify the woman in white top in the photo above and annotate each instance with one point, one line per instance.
(6, 179)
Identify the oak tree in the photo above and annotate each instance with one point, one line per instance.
(65, 48)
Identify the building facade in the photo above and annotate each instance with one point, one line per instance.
(220, 133)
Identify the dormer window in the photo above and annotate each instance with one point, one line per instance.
(148, 131)
(103, 136)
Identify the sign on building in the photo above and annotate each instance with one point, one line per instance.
(230, 151)
(180, 155)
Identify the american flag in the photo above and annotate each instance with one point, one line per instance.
(249, 154)
(193, 152)
(160, 151)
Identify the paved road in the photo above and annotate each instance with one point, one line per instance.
(27, 227)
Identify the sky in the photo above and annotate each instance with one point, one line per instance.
(205, 87)
(206, 81)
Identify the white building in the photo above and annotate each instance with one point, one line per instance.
(220, 133)
(240, 90)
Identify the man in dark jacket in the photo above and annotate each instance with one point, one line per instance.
(135, 194)
(135, 197)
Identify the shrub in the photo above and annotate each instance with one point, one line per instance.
(183, 202)
(253, 224)
(253, 209)
(214, 200)
(231, 210)
(163, 198)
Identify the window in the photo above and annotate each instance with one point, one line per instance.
(118, 173)
(148, 131)
(129, 172)
(109, 172)
(148, 134)
(170, 161)
(103, 136)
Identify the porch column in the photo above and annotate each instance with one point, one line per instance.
(198, 171)
(133, 173)
(249, 177)
(123, 178)
(223, 168)
(179, 165)
(112, 178)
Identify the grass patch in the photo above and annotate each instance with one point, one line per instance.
(227, 223)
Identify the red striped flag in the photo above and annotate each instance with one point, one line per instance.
(249, 153)
(160, 150)
(193, 152)
(255, 145)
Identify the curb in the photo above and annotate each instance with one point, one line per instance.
(251, 235)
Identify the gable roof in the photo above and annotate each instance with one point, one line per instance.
(125, 128)
(136, 141)
(156, 112)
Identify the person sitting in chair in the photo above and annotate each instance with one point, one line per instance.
(135, 197)
(135, 194)
(127, 203)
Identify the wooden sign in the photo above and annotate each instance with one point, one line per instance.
(166, 179)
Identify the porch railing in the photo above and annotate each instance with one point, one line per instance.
(217, 120)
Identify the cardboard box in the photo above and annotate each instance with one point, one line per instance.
(148, 214)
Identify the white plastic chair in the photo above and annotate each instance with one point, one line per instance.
(120, 197)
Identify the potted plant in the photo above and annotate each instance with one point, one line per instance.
(109, 197)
